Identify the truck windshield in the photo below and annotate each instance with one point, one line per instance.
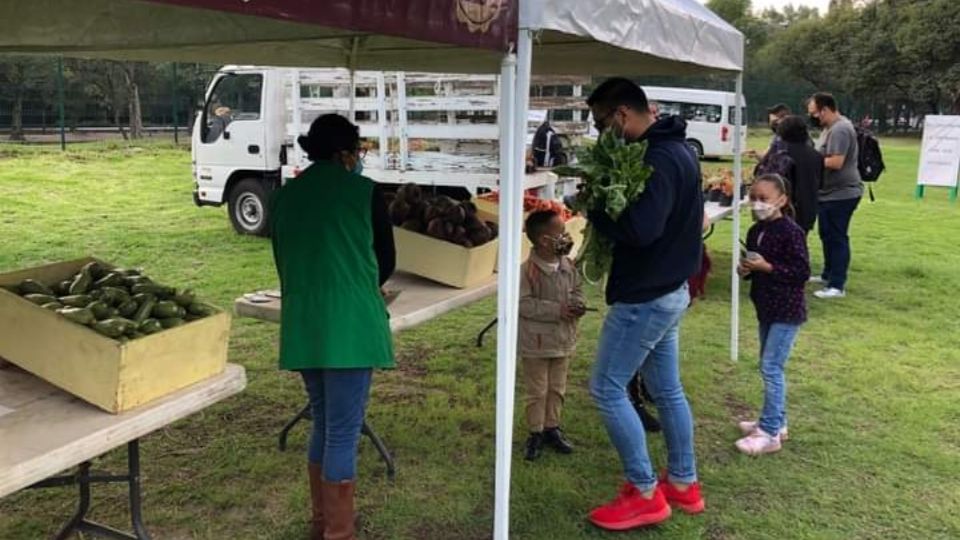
(235, 98)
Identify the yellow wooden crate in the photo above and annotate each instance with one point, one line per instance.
(111, 375)
(488, 211)
(442, 261)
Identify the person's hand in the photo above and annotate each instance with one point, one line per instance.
(757, 264)
(742, 270)
(570, 313)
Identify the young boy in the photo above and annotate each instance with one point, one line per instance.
(551, 302)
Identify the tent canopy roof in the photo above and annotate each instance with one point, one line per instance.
(589, 37)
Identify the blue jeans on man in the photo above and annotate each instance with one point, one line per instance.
(645, 337)
(833, 221)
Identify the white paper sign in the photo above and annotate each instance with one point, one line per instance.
(536, 116)
(940, 152)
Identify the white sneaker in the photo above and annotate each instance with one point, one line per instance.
(830, 292)
(816, 279)
(759, 443)
(751, 427)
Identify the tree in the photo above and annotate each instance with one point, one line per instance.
(131, 75)
(22, 76)
(929, 38)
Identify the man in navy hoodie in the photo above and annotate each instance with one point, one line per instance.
(657, 247)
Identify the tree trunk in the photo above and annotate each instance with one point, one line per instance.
(16, 118)
(133, 97)
(116, 122)
(136, 120)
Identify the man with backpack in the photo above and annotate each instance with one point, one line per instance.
(840, 193)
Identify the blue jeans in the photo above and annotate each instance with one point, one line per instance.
(776, 342)
(338, 402)
(833, 222)
(645, 338)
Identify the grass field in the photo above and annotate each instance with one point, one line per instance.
(874, 384)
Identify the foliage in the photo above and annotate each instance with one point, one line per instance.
(614, 175)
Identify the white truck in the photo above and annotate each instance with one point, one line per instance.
(432, 129)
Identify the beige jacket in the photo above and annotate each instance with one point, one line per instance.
(543, 293)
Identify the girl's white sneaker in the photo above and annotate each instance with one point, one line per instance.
(759, 443)
(751, 427)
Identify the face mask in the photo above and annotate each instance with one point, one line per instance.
(562, 244)
(814, 121)
(763, 211)
(358, 167)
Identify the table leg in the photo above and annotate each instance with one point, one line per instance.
(304, 414)
(79, 522)
(381, 449)
(486, 329)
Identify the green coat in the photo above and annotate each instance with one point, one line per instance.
(332, 314)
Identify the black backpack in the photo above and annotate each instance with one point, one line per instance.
(870, 162)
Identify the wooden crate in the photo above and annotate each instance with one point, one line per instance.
(442, 261)
(111, 375)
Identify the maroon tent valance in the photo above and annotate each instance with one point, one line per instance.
(482, 24)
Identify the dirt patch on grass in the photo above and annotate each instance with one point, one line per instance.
(737, 407)
(412, 361)
(716, 531)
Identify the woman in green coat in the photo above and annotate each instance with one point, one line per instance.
(333, 248)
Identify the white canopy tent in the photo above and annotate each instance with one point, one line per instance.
(586, 37)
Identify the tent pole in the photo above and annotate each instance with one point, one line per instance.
(352, 63)
(735, 251)
(506, 349)
(511, 230)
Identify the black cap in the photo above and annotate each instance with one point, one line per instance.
(779, 108)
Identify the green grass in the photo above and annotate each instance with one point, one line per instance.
(874, 384)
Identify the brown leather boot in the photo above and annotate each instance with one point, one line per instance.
(315, 473)
(338, 510)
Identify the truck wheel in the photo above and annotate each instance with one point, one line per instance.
(248, 208)
(696, 147)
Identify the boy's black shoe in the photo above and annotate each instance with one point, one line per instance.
(534, 447)
(650, 422)
(555, 438)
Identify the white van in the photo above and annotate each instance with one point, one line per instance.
(709, 115)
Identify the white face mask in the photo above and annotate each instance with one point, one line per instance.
(763, 211)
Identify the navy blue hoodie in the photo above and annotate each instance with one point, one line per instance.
(658, 242)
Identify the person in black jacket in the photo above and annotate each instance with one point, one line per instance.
(548, 147)
(657, 247)
(805, 174)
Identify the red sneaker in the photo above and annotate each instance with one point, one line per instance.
(689, 500)
(630, 510)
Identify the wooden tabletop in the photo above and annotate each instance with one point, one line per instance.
(419, 300)
(44, 430)
(715, 212)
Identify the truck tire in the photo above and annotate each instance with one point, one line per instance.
(248, 207)
(696, 147)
